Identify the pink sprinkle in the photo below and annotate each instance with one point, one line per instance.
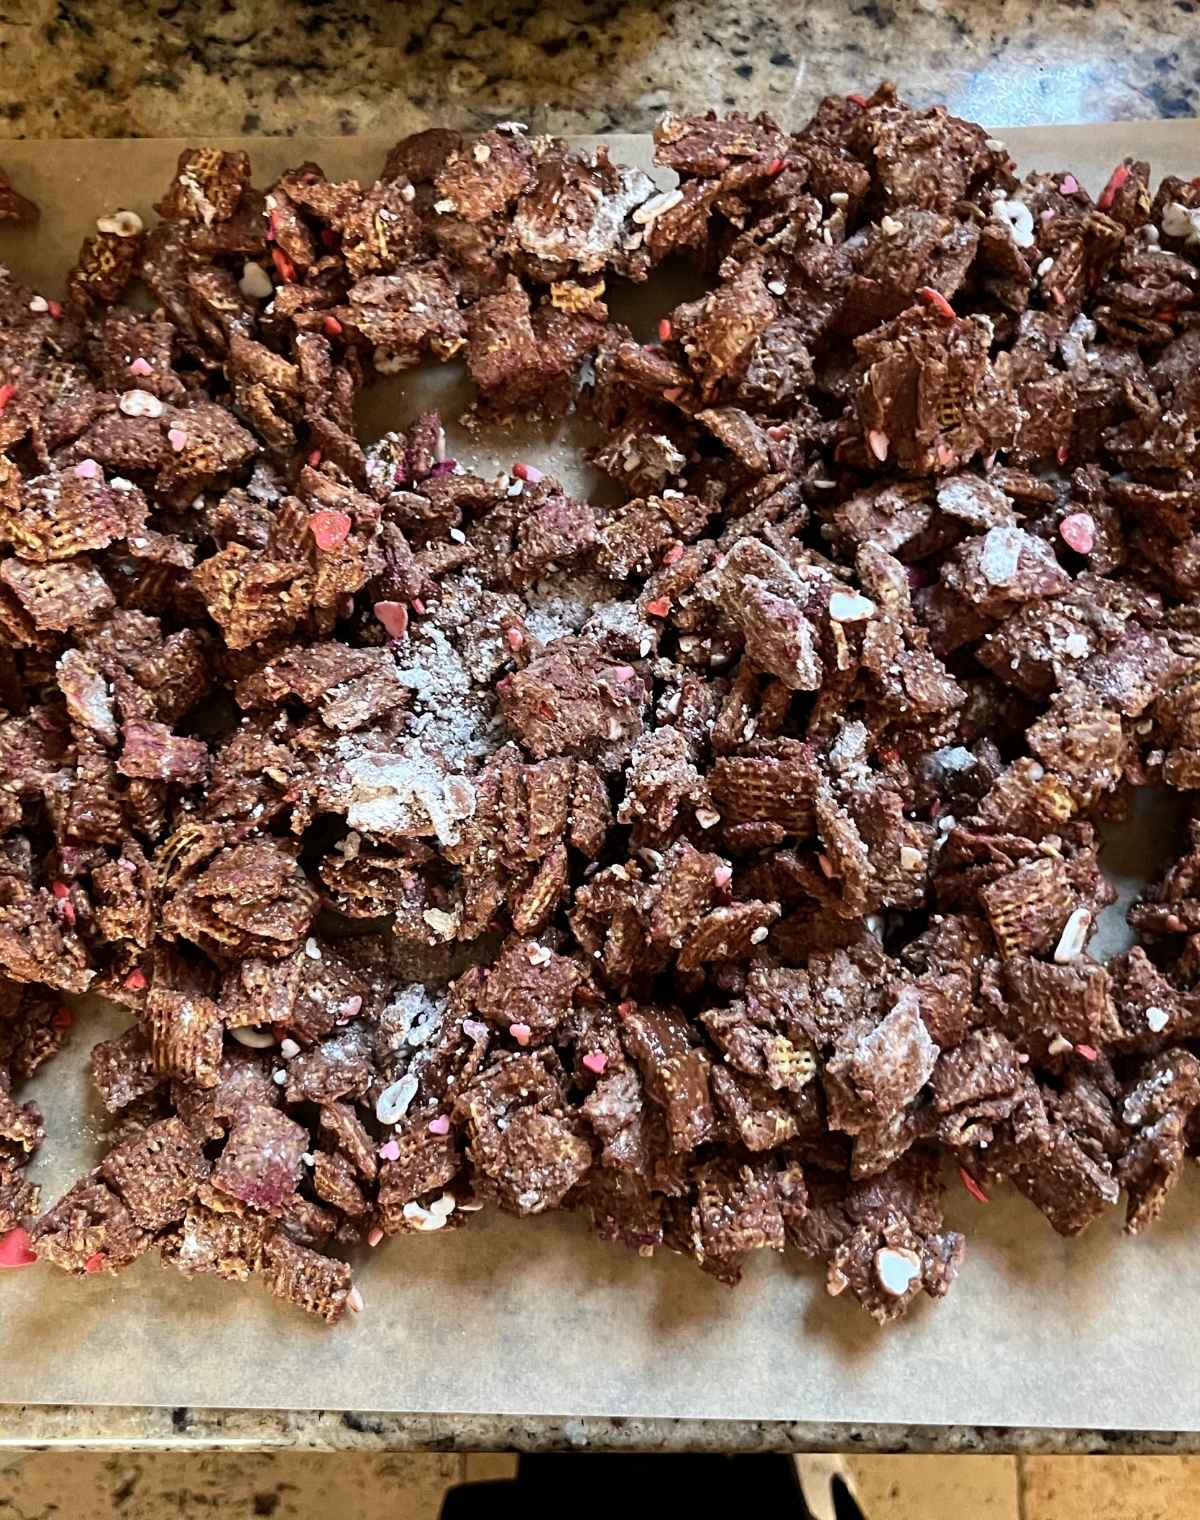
(177, 438)
(315, 458)
(596, 1061)
(659, 607)
(140, 366)
(521, 1033)
(664, 329)
(332, 326)
(723, 875)
(94, 1263)
(350, 1009)
(826, 865)
(626, 1007)
(60, 890)
(354, 1301)
(14, 1249)
(946, 456)
(474, 1029)
(330, 528)
(1069, 185)
(529, 472)
(390, 1151)
(1088, 1052)
(440, 1125)
(87, 469)
(1079, 532)
(514, 638)
(1048, 215)
(673, 394)
(375, 1236)
(673, 555)
(393, 616)
(136, 980)
(418, 606)
(55, 308)
(624, 672)
(879, 443)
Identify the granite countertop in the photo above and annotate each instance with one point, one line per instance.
(80, 68)
(96, 68)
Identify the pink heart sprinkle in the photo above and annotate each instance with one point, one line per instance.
(440, 1125)
(1069, 184)
(1088, 1052)
(529, 472)
(136, 980)
(349, 1009)
(390, 1151)
(659, 607)
(375, 1236)
(177, 438)
(393, 616)
(139, 366)
(87, 469)
(624, 672)
(1079, 532)
(673, 555)
(723, 875)
(474, 1029)
(14, 1249)
(596, 1061)
(521, 1033)
(94, 1263)
(329, 528)
(514, 638)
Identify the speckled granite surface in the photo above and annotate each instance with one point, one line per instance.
(78, 68)
(102, 68)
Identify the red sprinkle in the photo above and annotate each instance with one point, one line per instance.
(858, 100)
(514, 638)
(94, 1263)
(775, 167)
(315, 458)
(63, 1018)
(673, 555)
(393, 616)
(1062, 453)
(1079, 532)
(329, 528)
(440, 1125)
(673, 394)
(14, 1249)
(54, 308)
(664, 329)
(1088, 1052)
(529, 472)
(136, 980)
(659, 607)
(1115, 181)
(939, 302)
(972, 1186)
(375, 1236)
(7, 392)
(332, 326)
(596, 1061)
(287, 270)
(60, 889)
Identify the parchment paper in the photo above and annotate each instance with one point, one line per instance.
(533, 1316)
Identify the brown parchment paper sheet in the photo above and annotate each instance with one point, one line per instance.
(527, 1317)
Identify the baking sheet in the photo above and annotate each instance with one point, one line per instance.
(528, 1317)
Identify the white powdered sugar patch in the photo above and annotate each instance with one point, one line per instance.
(561, 605)
(399, 792)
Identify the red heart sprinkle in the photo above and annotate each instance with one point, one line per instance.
(673, 555)
(7, 392)
(939, 302)
(332, 326)
(393, 616)
(136, 980)
(14, 1249)
(329, 528)
(94, 1263)
(287, 270)
(659, 607)
(664, 329)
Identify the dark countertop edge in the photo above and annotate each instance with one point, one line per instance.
(33, 1426)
